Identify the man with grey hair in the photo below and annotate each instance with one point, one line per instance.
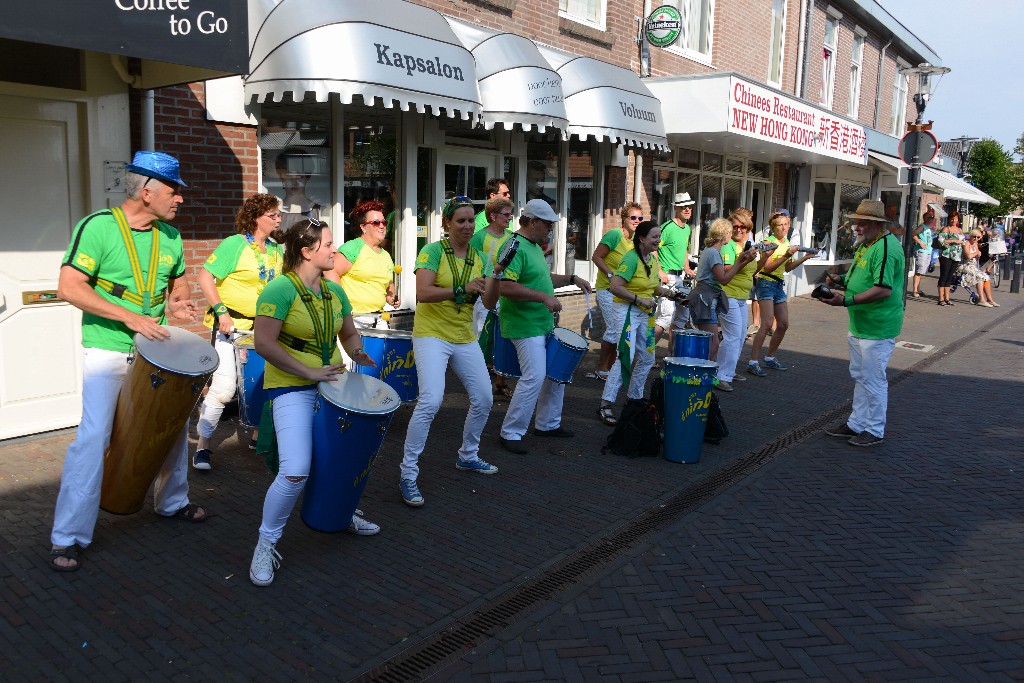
(102, 275)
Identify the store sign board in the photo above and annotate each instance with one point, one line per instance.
(757, 112)
(211, 34)
(664, 26)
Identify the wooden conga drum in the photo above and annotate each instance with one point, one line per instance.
(163, 386)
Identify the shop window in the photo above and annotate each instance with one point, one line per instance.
(712, 162)
(424, 162)
(758, 169)
(710, 204)
(663, 195)
(734, 166)
(899, 102)
(777, 42)
(295, 149)
(542, 166)
(856, 60)
(580, 211)
(822, 216)
(893, 200)
(850, 197)
(591, 12)
(828, 60)
(371, 164)
(689, 158)
(731, 198)
(695, 39)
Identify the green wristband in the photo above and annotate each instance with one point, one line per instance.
(220, 309)
(848, 300)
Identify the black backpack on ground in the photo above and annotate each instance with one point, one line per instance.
(715, 429)
(637, 432)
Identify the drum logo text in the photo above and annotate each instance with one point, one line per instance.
(393, 361)
(361, 477)
(695, 405)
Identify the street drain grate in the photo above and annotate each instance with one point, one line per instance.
(438, 650)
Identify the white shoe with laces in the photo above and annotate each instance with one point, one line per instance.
(361, 527)
(264, 561)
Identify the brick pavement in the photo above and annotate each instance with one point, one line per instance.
(164, 599)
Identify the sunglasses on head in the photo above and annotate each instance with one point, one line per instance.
(455, 203)
(781, 212)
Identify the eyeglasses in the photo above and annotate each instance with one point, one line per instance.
(272, 216)
(636, 218)
(739, 227)
(506, 214)
(376, 224)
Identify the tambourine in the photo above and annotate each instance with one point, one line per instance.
(508, 252)
(822, 292)
(679, 291)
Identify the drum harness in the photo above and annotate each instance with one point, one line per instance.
(459, 281)
(144, 294)
(322, 329)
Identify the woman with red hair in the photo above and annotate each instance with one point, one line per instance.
(365, 269)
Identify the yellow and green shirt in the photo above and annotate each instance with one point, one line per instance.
(618, 246)
(445, 319)
(98, 250)
(484, 241)
(638, 280)
(739, 286)
(366, 283)
(779, 274)
(881, 264)
(280, 300)
(235, 264)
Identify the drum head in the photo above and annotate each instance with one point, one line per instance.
(184, 353)
(361, 394)
(695, 333)
(386, 334)
(246, 341)
(570, 338)
(692, 362)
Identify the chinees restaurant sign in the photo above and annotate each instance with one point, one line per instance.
(757, 112)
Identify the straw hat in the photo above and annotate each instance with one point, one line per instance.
(870, 210)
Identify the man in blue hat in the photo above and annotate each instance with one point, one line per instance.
(105, 273)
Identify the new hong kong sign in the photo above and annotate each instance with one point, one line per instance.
(757, 112)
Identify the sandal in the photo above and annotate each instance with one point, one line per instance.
(503, 391)
(69, 552)
(190, 513)
(598, 374)
(605, 414)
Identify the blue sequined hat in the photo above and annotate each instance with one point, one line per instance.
(156, 165)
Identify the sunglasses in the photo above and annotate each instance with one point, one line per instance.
(376, 224)
(636, 218)
(314, 222)
(739, 227)
(506, 214)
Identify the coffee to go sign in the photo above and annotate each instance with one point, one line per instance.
(757, 112)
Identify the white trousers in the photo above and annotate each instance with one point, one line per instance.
(533, 390)
(669, 312)
(637, 349)
(78, 502)
(222, 387)
(868, 360)
(432, 358)
(605, 301)
(734, 333)
(293, 424)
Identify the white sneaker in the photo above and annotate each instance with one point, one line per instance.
(264, 561)
(361, 527)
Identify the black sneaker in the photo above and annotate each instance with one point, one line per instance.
(201, 460)
(513, 445)
(841, 430)
(865, 439)
(558, 433)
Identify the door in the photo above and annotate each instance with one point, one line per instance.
(461, 174)
(758, 202)
(41, 191)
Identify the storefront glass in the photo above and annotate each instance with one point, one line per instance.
(371, 163)
(542, 165)
(850, 197)
(580, 212)
(821, 224)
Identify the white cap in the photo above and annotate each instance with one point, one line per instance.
(538, 208)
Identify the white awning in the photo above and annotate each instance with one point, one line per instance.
(607, 101)
(403, 54)
(939, 211)
(951, 186)
(517, 85)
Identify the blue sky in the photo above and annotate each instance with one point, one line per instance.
(982, 41)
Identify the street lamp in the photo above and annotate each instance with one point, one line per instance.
(927, 80)
(966, 144)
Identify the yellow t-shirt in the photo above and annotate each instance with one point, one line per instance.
(780, 251)
(638, 281)
(445, 319)
(240, 277)
(618, 246)
(366, 283)
(740, 284)
(280, 300)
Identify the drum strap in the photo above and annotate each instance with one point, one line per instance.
(323, 330)
(459, 280)
(144, 294)
(232, 312)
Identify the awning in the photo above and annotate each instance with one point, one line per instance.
(939, 211)
(403, 54)
(517, 85)
(607, 101)
(951, 186)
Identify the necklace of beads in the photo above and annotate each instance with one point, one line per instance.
(266, 275)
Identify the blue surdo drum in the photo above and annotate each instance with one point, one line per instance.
(392, 351)
(688, 387)
(351, 416)
(692, 344)
(565, 350)
(249, 367)
(506, 360)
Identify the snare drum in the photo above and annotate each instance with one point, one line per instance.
(351, 416)
(565, 350)
(392, 351)
(692, 344)
(506, 360)
(162, 388)
(249, 375)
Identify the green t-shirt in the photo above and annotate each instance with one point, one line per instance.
(618, 246)
(675, 242)
(280, 300)
(523, 319)
(881, 263)
(638, 280)
(481, 222)
(98, 250)
(444, 319)
(241, 275)
(740, 284)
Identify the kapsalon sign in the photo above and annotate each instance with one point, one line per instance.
(211, 34)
